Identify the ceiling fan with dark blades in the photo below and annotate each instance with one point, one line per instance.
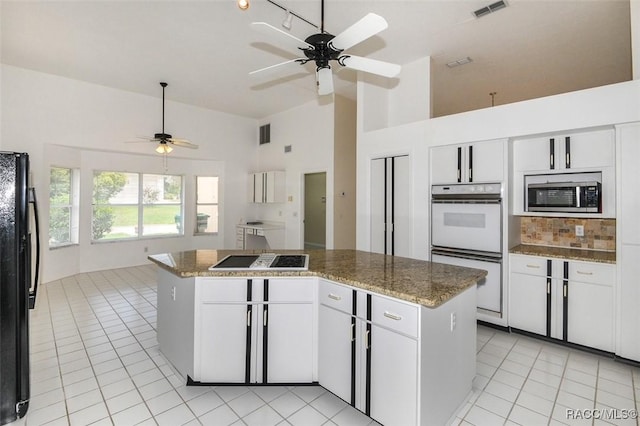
(322, 48)
(164, 140)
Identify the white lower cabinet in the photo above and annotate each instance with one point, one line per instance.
(371, 365)
(336, 352)
(567, 300)
(394, 377)
(254, 330)
(398, 362)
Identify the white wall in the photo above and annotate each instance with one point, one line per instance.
(309, 131)
(43, 113)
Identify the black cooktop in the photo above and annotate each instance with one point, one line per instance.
(270, 261)
(289, 261)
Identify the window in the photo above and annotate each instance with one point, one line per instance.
(206, 204)
(63, 207)
(134, 205)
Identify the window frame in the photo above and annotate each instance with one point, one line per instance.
(141, 206)
(73, 205)
(197, 204)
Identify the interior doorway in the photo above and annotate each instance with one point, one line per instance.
(315, 210)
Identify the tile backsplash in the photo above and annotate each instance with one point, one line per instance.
(599, 234)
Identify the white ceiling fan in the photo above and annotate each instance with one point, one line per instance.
(322, 48)
(164, 140)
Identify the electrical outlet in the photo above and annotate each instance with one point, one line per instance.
(173, 293)
(453, 321)
(579, 231)
(146, 249)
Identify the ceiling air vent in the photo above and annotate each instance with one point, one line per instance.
(490, 9)
(265, 134)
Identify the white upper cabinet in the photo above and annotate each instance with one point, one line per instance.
(552, 158)
(267, 187)
(563, 153)
(468, 163)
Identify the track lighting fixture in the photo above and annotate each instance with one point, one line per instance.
(287, 20)
(243, 4)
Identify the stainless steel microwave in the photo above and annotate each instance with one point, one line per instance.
(569, 197)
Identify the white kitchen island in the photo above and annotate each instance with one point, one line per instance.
(394, 337)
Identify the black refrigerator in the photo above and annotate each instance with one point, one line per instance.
(19, 263)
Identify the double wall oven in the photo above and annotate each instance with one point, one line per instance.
(467, 230)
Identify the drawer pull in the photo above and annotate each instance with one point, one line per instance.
(533, 266)
(334, 296)
(584, 273)
(392, 316)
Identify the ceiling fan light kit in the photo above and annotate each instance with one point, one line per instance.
(165, 140)
(322, 48)
(163, 148)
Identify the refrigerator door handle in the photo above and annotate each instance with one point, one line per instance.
(33, 294)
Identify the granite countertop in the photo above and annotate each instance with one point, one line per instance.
(565, 253)
(418, 281)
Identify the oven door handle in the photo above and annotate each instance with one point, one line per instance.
(489, 257)
(453, 200)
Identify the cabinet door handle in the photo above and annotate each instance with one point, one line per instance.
(366, 339)
(567, 150)
(552, 148)
(334, 296)
(584, 273)
(353, 332)
(264, 318)
(564, 289)
(548, 285)
(248, 318)
(470, 162)
(392, 316)
(533, 266)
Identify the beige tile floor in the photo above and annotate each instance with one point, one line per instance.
(95, 360)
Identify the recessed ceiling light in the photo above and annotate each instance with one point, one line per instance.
(459, 62)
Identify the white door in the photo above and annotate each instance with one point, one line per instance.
(469, 226)
(528, 303)
(378, 206)
(290, 351)
(590, 315)
(488, 161)
(335, 335)
(223, 343)
(401, 210)
(533, 154)
(489, 288)
(590, 149)
(391, 230)
(394, 377)
(444, 164)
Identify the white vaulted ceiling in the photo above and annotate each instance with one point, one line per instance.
(205, 49)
